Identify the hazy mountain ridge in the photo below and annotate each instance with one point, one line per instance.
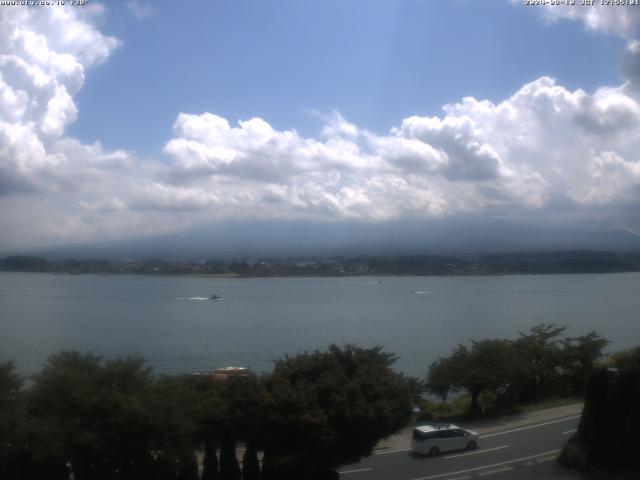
(286, 239)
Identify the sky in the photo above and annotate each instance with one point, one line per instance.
(124, 119)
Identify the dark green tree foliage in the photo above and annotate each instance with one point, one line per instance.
(538, 364)
(330, 408)
(229, 468)
(240, 416)
(93, 414)
(210, 461)
(250, 464)
(485, 367)
(64, 408)
(208, 412)
(626, 359)
(188, 467)
(12, 421)
(610, 422)
(175, 405)
(540, 358)
(580, 357)
(548, 364)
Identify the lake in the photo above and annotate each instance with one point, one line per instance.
(170, 322)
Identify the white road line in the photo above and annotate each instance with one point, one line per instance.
(476, 452)
(393, 451)
(356, 471)
(546, 459)
(488, 466)
(497, 470)
(531, 426)
(569, 431)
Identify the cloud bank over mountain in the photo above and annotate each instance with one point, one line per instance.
(546, 153)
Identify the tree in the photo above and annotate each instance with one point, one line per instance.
(485, 367)
(188, 467)
(330, 408)
(241, 418)
(61, 403)
(207, 410)
(539, 359)
(177, 406)
(250, 464)
(210, 461)
(608, 428)
(12, 421)
(93, 414)
(581, 355)
(229, 468)
(626, 359)
(537, 364)
(229, 410)
(445, 374)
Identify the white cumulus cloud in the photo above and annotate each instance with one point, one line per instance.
(524, 153)
(622, 20)
(44, 53)
(545, 150)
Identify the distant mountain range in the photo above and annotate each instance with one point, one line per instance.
(235, 239)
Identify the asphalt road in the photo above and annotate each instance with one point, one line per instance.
(523, 452)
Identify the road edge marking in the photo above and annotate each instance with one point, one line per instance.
(476, 452)
(494, 471)
(393, 451)
(565, 419)
(550, 452)
(356, 471)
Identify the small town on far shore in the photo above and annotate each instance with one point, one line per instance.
(543, 262)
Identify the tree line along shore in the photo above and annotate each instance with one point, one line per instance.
(546, 262)
(89, 418)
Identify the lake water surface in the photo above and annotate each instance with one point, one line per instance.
(170, 322)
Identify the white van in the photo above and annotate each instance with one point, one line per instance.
(442, 437)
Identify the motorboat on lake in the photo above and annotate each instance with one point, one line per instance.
(215, 297)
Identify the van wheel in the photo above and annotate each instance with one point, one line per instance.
(472, 446)
(434, 451)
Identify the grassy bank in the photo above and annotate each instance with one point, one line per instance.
(457, 409)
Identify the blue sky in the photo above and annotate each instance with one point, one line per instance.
(136, 118)
(376, 62)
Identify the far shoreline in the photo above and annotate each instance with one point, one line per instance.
(306, 275)
(426, 265)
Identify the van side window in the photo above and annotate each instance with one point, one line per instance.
(419, 435)
(422, 436)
